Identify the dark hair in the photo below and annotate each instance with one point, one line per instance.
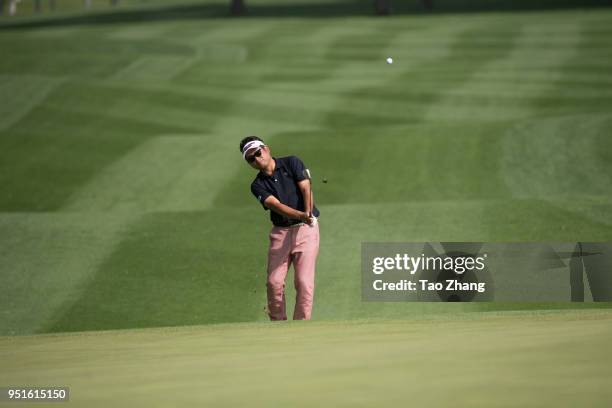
(247, 140)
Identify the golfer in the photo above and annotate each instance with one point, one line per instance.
(283, 186)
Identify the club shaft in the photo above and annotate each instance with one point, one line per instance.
(311, 203)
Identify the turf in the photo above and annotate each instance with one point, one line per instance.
(498, 359)
(125, 203)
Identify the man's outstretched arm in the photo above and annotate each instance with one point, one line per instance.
(272, 203)
(304, 186)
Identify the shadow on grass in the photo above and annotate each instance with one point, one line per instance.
(304, 9)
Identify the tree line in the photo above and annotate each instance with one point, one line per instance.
(237, 7)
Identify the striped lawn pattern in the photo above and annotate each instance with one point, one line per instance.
(125, 202)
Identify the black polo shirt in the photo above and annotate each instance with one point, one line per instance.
(283, 185)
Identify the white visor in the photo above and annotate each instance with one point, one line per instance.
(253, 144)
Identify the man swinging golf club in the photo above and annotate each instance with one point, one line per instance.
(283, 186)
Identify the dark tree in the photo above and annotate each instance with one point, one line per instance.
(237, 8)
(37, 6)
(383, 7)
(428, 4)
(1, 7)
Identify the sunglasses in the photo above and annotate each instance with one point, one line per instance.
(252, 157)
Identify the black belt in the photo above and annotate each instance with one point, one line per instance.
(292, 223)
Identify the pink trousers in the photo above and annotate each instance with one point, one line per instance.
(298, 246)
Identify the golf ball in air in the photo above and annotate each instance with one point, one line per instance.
(389, 60)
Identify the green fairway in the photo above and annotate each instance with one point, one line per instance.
(125, 202)
(548, 359)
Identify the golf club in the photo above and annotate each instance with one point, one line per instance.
(306, 174)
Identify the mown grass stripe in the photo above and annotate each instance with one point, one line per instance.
(47, 258)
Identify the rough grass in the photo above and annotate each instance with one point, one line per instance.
(453, 360)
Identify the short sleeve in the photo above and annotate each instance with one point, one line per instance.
(260, 193)
(297, 168)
